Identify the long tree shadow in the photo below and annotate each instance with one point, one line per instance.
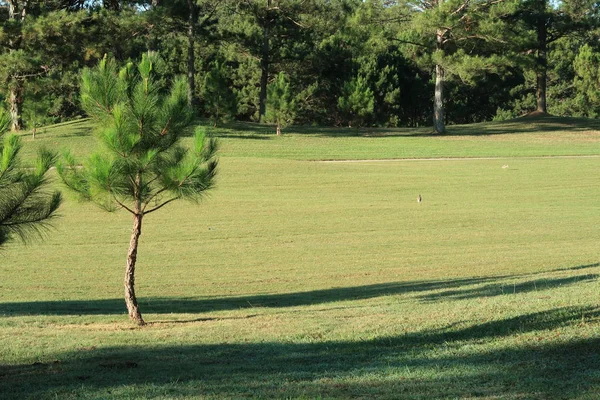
(507, 288)
(160, 305)
(450, 289)
(445, 363)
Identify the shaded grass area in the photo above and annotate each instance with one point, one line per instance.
(474, 361)
(524, 125)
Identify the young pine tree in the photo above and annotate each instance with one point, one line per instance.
(143, 166)
(357, 101)
(25, 204)
(219, 99)
(281, 104)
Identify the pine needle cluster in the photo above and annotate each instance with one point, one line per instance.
(26, 205)
(142, 165)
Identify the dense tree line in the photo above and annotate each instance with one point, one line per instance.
(331, 62)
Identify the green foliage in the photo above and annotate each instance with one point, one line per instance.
(504, 115)
(320, 46)
(143, 166)
(356, 102)
(281, 103)
(219, 100)
(26, 205)
(587, 81)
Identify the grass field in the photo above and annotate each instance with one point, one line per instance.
(299, 278)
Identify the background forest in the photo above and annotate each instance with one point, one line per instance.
(326, 62)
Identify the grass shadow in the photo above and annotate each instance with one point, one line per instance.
(522, 125)
(445, 363)
(257, 131)
(504, 288)
(167, 305)
(525, 125)
(454, 289)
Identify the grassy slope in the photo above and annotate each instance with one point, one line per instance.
(302, 279)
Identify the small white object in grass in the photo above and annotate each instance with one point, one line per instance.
(419, 199)
(505, 166)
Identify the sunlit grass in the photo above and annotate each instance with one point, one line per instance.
(304, 279)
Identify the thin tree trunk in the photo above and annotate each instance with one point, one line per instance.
(15, 95)
(130, 298)
(264, 64)
(541, 92)
(542, 61)
(278, 130)
(12, 9)
(15, 106)
(191, 61)
(438, 103)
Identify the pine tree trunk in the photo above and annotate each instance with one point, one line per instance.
(12, 9)
(542, 61)
(130, 299)
(15, 95)
(15, 105)
(264, 65)
(541, 92)
(438, 103)
(191, 60)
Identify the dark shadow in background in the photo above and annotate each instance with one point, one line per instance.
(515, 126)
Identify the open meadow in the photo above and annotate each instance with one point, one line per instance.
(306, 274)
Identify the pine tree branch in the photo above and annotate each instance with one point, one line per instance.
(162, 205)
(122, 205)
(409, 42)
(155, 195)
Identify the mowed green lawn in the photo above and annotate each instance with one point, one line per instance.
(304, 279)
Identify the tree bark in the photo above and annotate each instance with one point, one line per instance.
(542, 60)
(264, 64)
(15, 106)
(130, 298)
(438, 103)
(12, 9)
(191, 61)
(278, 130)
(15, 95)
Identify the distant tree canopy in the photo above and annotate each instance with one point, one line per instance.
(420, 62)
